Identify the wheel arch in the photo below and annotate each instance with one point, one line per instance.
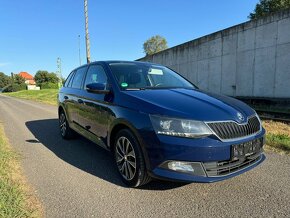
(123, 124)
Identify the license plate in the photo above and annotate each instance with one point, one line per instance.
(246, 149)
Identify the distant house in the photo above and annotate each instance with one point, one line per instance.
(29, 80)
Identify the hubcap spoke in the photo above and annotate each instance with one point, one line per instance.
(133, 164)
(127, 146)
(119, 154)
(130, 170)
(131, 154)
(122, 167)
(126, 170)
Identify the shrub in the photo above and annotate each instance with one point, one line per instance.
(49, 85)
(15, 87)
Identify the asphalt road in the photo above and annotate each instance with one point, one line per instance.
(78, 179)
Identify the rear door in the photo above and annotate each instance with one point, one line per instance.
(73, 95)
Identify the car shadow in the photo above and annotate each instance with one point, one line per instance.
(84, 154)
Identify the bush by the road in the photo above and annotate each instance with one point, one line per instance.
(49, 85)
(15, 87)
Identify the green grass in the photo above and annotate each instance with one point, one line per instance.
(48, 96)
(279, 141)
(15, 200)
(277, 136)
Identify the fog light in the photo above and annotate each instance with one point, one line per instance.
(180, 166)
(193, 168)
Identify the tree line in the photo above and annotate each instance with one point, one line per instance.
(43, 79)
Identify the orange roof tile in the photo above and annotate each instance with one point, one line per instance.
(26, 75)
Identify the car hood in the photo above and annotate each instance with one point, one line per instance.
(187, 103)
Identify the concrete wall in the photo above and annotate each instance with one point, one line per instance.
(250, 59)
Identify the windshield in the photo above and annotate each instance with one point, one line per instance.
(132, 76)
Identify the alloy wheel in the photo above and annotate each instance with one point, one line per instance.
(126, 158)
(62, 124)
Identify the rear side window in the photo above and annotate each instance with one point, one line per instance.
(78, 78)
(68, 79)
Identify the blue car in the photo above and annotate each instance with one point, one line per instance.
(159, 125)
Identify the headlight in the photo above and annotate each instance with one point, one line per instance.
(179, 127)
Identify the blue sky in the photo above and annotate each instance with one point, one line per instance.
(35, 32)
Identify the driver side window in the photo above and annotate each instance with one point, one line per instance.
(96, 74)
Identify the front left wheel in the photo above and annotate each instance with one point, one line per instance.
(129, 159)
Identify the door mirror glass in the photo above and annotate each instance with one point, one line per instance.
(98, 88)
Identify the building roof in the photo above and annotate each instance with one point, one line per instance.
(26, 76)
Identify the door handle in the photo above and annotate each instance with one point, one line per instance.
(80, 101)
(65, 97)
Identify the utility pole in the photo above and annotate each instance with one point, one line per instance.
(58, 72)
(80, 50)
(87, 33)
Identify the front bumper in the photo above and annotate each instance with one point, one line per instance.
(213, 155)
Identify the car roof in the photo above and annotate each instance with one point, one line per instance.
(117, 61)
(121, 61)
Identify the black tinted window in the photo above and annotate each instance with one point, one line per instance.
(96, 74)
(78, 78)
(68, 79)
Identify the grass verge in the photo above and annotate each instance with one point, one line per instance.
(277, 136)
(15, 197)
(48, 96)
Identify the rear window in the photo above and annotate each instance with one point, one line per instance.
(78, 78)
(68, 79)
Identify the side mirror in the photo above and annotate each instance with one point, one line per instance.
(98, 88)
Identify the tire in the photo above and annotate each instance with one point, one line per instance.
(129, 159)
(65, 131)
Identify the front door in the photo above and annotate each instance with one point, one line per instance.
(95, 111)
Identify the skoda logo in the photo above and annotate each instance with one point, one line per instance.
(240, 117)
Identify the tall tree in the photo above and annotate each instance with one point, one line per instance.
(4, 80)
(265, 7)
(45, 77)
(155, 44)
(41, 76)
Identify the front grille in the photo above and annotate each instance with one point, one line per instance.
(231, 130)
(223, 168)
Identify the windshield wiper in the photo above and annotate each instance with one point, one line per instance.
(134, 89)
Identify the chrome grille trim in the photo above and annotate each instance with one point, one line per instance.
(231, 130)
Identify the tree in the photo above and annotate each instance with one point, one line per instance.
(16, 83)
(18, 79)
(41, 77)
(265, 7)
(155, 44)
(45, 77)
(4, 80)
